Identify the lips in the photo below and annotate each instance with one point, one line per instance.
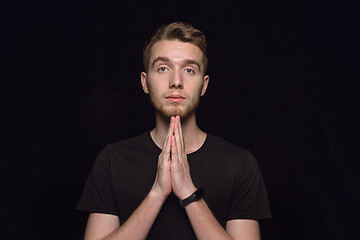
(175, 98)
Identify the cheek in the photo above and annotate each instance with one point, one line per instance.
(155, 85)
(196, 88)
(159, 81)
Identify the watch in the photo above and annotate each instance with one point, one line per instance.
(192, 198)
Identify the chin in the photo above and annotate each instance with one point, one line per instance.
(167, 110)
(183, 113)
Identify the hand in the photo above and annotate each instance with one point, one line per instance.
(162, 184)
(181, 181)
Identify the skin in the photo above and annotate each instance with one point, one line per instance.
(175, 70)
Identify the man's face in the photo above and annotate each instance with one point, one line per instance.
(175, 78)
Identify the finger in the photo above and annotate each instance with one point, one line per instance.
(174, 151)
(163, 153)
(181, 134)
(170, 132)
(181, 139)
(171, 126)
(166, 142)
(167, 149)
(178, 139)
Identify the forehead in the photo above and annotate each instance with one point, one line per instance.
(176, 51)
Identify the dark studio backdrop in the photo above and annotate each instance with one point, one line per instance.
(282, 84)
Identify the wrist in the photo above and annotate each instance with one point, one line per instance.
(186, 193)
(157, 195)
(195, 196)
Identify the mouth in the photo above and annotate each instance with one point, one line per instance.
(175, 98)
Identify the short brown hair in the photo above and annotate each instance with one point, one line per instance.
(181, 31)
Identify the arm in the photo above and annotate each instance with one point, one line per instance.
(107, 226)
(207, 227)
(243, 229)
(201, 218)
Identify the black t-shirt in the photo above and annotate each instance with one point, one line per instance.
(124, 173)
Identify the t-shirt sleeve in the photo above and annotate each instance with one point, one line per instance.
(97, 196)
(249, 197)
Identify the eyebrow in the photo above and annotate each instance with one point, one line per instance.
(194, 62)
(163, 59)
(186, 61)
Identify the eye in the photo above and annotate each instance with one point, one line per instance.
(189, 70)
(163, 69)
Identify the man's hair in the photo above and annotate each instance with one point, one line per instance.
(181, 31)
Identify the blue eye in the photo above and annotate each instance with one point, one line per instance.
(189, 70)
(163, 69)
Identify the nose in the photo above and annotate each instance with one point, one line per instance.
(176, 80)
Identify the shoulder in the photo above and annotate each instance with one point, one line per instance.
(230, 154)
(137, 143)
(130, 141)
(219, 144)
(126, 148)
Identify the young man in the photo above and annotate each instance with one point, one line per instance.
(152, 186)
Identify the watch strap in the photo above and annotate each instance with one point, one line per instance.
(193, 197)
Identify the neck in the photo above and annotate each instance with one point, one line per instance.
(193, 136)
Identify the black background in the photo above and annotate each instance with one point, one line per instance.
(282, 84)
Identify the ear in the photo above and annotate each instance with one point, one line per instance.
(205, 84)
(143, 77)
